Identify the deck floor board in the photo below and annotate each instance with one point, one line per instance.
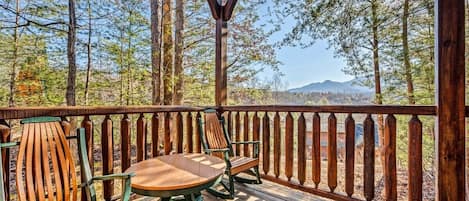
(266, 191)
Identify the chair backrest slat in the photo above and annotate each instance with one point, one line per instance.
(37, 163)
(55, 163)
(45, 164)
(29, 164)
(70, 164)
(43, 143)
(214, 134)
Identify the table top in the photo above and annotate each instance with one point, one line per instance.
(174, 172)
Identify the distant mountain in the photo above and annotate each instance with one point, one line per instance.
(328, 86)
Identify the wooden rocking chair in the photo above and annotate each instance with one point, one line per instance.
(216, 141)
(45, 169)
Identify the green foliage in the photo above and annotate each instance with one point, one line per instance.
(348, 27)
(121, 49)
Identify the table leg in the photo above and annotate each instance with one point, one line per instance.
(194, 197)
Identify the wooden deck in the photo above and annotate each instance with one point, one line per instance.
(266, 191)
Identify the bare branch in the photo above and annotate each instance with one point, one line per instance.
(29, 22)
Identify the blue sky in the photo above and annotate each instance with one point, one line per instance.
(303, 66)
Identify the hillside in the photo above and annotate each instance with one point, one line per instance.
(328, 86)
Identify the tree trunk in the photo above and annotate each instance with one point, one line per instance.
(179, 54)
(121, 60)
(405, 46)
(377, 76)
(167, 51)
(11, 99)
(155, 53)
(88, 48)
(72, 68)
(129, 61)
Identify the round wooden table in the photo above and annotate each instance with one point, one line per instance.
(178, 174)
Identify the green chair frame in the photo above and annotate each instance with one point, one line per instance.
(227, 154)
(88, 179)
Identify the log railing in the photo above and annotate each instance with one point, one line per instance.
(286, 141)
(283, 131)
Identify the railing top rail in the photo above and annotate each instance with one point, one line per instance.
(366, 109)
(26, 112)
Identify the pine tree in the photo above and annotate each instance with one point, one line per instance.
(167, 52)
(179, 53)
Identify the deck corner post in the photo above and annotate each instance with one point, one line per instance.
(222, 14)
(450, 99)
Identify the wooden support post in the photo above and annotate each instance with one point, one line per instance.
(450, 79)
(222, 14)
(221, 77)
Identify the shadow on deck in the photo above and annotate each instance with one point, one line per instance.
(266, 191)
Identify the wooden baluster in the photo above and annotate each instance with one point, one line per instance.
(167, 134)
(415, 159)
(266, 143)
(107, 146)
(246, 134)
(301, 149)
(155, 128)
(5, 133)
(277, 141)
(390, 176)
(189, 132)
(349, 154)
(289, 146)
(66, 125)
(238, 133)
(316, 150)
(125, 142)
(332, 152)
(87, 124)
(141, 137)
(180, 133)
(229, 120)
(369, 158)
(256, 129)
(198, 148)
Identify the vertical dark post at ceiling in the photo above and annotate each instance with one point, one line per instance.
(222, 14)
(450, 96)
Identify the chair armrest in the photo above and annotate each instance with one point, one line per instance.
(113, 176)
(247, 142)
(217, 150)
(226, 155)
(255, 145)
(126, 188)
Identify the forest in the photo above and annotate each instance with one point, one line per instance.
(88, 52)
(122, 52)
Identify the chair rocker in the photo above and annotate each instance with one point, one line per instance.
(216, 141)
(45, 168)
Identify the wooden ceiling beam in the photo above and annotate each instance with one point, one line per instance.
(228, 9)
(215, 8)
